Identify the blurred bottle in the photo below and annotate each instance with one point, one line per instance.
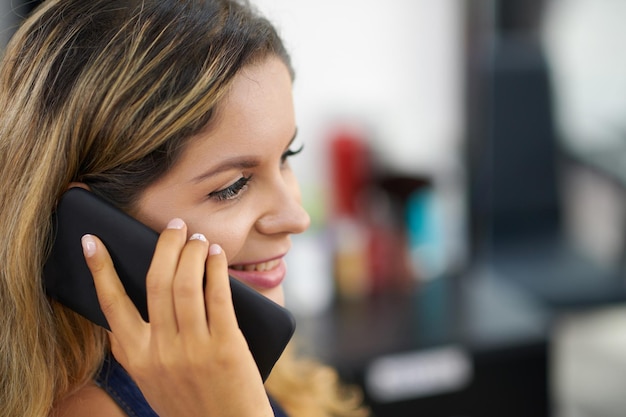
(424, 232)
(371, 241)
(350, 165)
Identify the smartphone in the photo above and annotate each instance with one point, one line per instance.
(267, 326)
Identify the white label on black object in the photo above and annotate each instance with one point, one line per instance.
(418, 374)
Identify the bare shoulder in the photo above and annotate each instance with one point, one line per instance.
(90, 401)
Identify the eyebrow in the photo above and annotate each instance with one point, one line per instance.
(238, 162)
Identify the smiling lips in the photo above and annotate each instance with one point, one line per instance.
(263, 266)
(262, 275)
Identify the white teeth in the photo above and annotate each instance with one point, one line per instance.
(263, 266)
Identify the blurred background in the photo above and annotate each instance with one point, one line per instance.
(465, 171)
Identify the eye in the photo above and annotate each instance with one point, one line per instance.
(289, 153)
(231, 191)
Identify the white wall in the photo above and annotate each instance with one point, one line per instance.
(396, 65)
(584, 40)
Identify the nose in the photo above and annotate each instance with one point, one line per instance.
(284, 213)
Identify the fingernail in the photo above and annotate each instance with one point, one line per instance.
(215, 249)
(176, 224)
(198, 236)
(89, 245)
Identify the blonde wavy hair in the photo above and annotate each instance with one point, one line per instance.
(106, 92)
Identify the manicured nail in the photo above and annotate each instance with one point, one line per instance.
(176, 224)
(198, 236)
(215, 249)
(89, 245)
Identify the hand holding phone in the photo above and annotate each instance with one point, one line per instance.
(266, 326)
(189, 360)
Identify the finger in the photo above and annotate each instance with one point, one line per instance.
(188, 291)
(219, 303)
(118, 308)
(160, 277)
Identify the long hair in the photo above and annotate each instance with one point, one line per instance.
(105, 92)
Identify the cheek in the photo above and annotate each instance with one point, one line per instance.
(230, 232)
(157, 206)
(157, 221)
(294, 186)
(276, 295)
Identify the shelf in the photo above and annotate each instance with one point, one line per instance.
(467, 345)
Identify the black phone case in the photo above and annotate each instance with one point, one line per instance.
(267, 326)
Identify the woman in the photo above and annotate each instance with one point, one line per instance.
(180, 113)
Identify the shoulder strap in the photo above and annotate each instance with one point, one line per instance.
(118, 384)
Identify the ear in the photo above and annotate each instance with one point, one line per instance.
(79, 185)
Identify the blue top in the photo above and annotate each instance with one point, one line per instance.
(118, 384)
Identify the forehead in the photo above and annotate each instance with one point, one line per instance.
(255, 116)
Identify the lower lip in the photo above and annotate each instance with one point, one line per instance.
(262, 279)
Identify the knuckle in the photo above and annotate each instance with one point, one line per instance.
(185, 288)
(220, 297)
(227, 355)
(156, 283)
(97, 264)
(108, 304)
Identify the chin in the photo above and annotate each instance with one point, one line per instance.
(275, 294)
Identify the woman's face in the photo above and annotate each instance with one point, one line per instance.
(233, 183)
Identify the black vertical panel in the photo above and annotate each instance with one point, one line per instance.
(511, 144)
(513, 161)
(524, 196)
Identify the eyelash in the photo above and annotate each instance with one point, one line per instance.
(232, 191)
(290, 153)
